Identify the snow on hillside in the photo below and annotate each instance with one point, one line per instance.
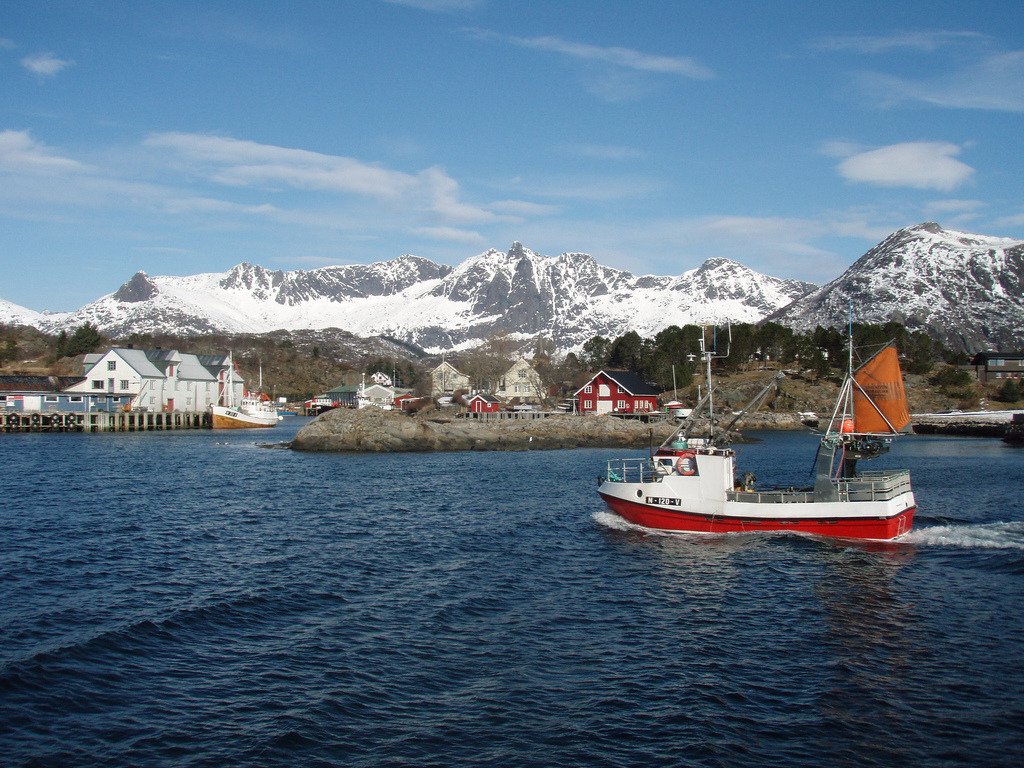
(966, 289)
(568, 298)
(12, 314)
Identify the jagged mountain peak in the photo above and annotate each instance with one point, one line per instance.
(965, 289)
(954, 284)
(138, 288)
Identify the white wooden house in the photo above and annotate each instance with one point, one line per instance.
(377, 396)
(521, 381)
(446, 379)
(158, 380)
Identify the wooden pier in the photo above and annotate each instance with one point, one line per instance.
(114, 421)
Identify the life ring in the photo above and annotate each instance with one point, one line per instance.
(686, 464)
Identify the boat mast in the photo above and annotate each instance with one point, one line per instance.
(709, 354)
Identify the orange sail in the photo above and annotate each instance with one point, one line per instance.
(879, 400)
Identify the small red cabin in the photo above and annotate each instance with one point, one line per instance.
(480, 403)
(617, 392)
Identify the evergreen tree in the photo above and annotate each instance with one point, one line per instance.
(86, 338)
(1010, 392)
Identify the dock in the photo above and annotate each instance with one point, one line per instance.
(113, 421)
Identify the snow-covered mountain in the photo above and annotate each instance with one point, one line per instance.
(967, 290)
(12, 314)
(568, 298)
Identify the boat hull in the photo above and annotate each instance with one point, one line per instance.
(838, 526)
(232, 418)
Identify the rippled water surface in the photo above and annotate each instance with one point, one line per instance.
(195, 599)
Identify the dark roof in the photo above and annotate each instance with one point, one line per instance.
(627, 380)
(983, 357)
(30, 383)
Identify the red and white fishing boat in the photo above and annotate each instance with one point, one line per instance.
(692, 484)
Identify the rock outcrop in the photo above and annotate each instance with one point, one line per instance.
(372, 430)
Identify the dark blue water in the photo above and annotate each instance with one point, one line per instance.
(193, 599)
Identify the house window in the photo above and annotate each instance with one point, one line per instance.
(111, 365)
(622, 405)
(589, 389)
(97, 383)
(124, 383)
(75, 399)
(588, 404)
(49, 398)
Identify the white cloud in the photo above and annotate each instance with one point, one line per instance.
(443, 191)
(626, 58)
(523, 208)
(920, 165)
(684, 66)
(19, 152)
(450, 234)
(241, 163)
(995, 83)
(44, 64)
(925, 41)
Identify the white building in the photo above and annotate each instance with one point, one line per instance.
(446, 379)
(521, 381)
(159, 380)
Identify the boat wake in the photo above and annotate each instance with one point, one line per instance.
(969, 536)
(613, 521)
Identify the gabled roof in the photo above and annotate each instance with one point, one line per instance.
(41, 384)
(190, 367)
(485, 397)
(139, 362)
(626, 380)
(445, 363)
(378, 390)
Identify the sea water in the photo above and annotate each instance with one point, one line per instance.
(196, 599)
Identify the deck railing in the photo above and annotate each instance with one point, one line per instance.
(880, 485)
(630, 471)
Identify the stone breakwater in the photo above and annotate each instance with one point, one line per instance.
(970, 424)
(372, 430)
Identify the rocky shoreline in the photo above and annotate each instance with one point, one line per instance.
(374, 431)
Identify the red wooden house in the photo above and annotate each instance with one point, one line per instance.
(480, 403)
(617, 392)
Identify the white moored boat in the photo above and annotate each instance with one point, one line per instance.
(255, 409)
(691, 484)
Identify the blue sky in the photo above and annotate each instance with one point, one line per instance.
(184, 137)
